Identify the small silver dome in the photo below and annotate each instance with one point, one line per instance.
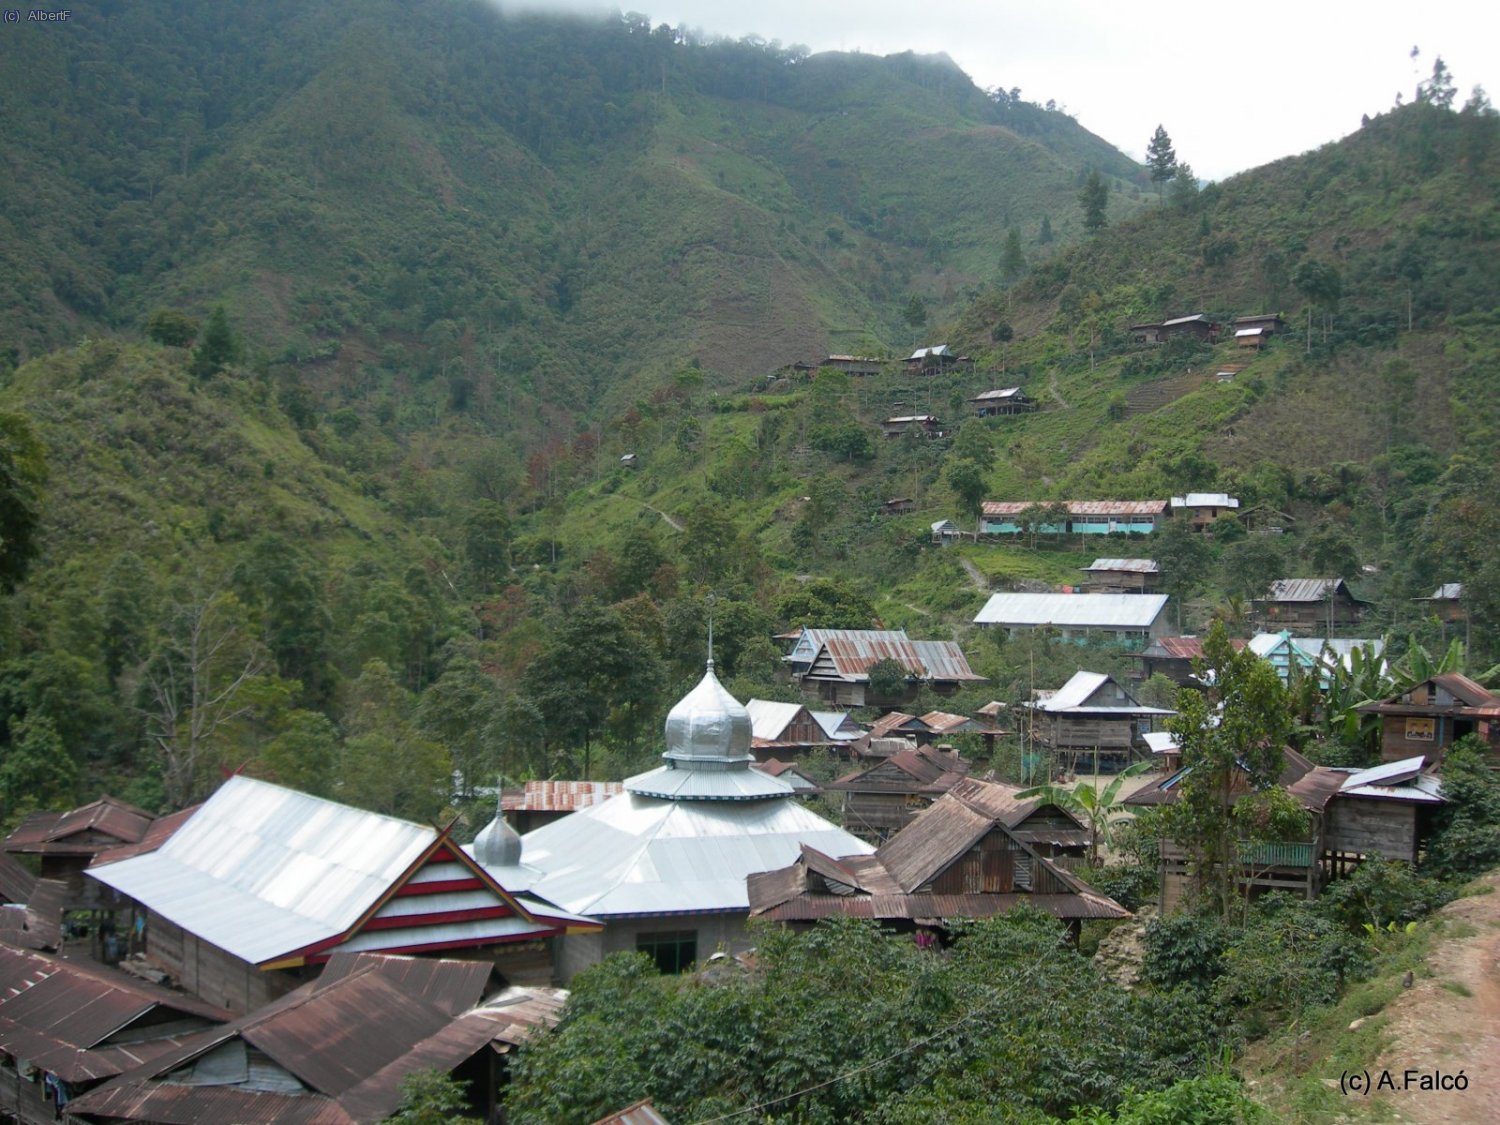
(708, 725)
(497, 844)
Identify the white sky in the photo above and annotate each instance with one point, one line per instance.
(1236, 87)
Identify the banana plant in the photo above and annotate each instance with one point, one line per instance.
(1095, 807)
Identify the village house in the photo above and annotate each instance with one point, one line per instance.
(898, 506)
(541, 802)
(1306, 606)
(1431, 716)
(976, 852)
(262, 885)
(879, 800)
(1122, 576)
(784, 730)
(927, 425)
(945, 533)
(1256, 331)
(936, 360)
(791, 773)
(1354, 814)
(856, 365)
(1006, 400)
(834, 664)
(1130, 621)
(65, 843)
(1310, 656)
(1091, 720)
(1446, 603)
(663, 865)
(1201, 509)
(68, 1026)
(1076, 517)
(1173, 658)
(338, 1049)
(1198, 327)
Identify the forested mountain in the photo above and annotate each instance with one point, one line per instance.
(467, 262)
(496, 213)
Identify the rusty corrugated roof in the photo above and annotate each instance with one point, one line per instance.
(1305, 589)
(450, 985)
(809, 908)
(50, 833)
(159, 833)
(193, 1105)
(559, 796)
(53, 1012)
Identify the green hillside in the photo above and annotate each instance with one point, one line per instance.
(442, 204)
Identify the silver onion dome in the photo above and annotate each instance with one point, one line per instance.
(497, 844)
(708, 725)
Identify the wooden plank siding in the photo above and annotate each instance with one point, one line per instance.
(997, 864)
(1384, 828)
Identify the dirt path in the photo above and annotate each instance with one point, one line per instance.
(976, 575)
(1056, 392)
(671, 521)
(1450, 1022)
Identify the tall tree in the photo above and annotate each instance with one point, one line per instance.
(1093, 198)
(1013, 257)
(23, 472)
(1161, 158)
(218, 348)
(1232, 737)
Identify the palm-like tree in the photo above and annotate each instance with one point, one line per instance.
(1095, 807)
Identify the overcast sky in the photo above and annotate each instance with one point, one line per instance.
(1234, 87)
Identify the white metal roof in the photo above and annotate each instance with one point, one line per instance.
(675, 783)
(260, 870)
(1162, 742)
(1128, 566)
(1205, 500)
(1076, 611)
(1447, 592)
(1076, 691)
(1388, 773)
(837, 725)
(635, 854)
(768, 719)
(1261, 331)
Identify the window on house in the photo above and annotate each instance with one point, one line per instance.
(673, 951)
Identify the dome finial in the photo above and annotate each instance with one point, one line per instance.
(498, 844)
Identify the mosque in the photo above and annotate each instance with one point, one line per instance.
(663, 865)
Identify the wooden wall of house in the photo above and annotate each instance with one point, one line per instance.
(1395, 744)
(997, 864)
(876, 816)
(1383, 828)
(1107, 734)
(210, 973)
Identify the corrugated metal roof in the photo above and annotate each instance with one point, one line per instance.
(261, 870)
(1076, 692)
(993, 396)
(1205, 500)
(1078, 507)
(837, 725)
(641, 1113)
(194, 1105)
(1077, 611)
(853, 651)
(769, 719)
(1185, 320)
(159, 833)
(1125, 566)
(1447, 592)
(1251, 331)
(1388, 773)
(559, 796)
(1162, 742)
(451, 986)
(640, 855)
(912, 418)
(51, 832)
(1304, 589)
(935, 350)
(701, 784)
